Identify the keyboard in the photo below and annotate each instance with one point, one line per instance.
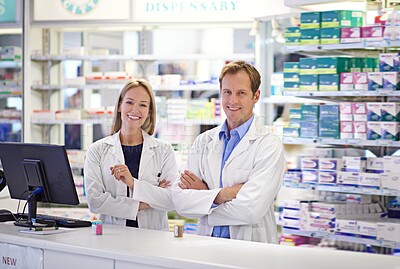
(64, 221)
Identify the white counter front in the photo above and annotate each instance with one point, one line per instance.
(121, 248)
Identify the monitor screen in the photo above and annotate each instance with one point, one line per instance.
(38, 170)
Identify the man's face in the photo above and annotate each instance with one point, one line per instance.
(237, 98)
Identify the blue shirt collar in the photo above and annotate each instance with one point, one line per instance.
(241, 130)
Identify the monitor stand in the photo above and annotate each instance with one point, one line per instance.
(31, 221)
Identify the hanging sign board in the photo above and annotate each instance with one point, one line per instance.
(81, 10)
(198, 10)
(8, 11)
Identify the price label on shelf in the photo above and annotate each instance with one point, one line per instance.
(384, 142)
(384, 92)
(350, 189)
(388, 244)
(353, 141)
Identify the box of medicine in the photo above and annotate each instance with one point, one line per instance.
(355, 64)
(309, 83)
(386, 62)
(294, 123)
(295, 113)
(389, 231)
(367, 229)
(310, 20)
(11, 53)
(350, 35)
(346, 129)
(369, 64)
(360, 80)
(330, 164)
(373, 111)
(374, 130)
(354, 164)
(390, 181)
(328, 111)
(396, 61)
(346, 112)
(390, 130)
(292, 31)
(308, 66)
(390, 111)
(329, 127)
(291, 67)
(369, 180)
(291, 86)
(391, 164)
(391, 80)
(291, 213)
(346, 81)
(347, 178)
(332, 65)
(375, 81)
(295, 204)
(291, 77)
(330, 35)
(341, 18)
(291, 131)
(291, 223)
(310, 112)
(327, 178)
(292, 41)
(360, 130)
(372, 33)
(309, 176)
(309, 163)
(310, 37)
(329, 82)
(293, 175)
(374, 165)
(359, 111)
(346, 227)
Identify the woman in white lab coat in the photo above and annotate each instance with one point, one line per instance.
(124, 172)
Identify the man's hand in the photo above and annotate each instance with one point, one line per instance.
(191, 181)
(227, 194)
(143, 206)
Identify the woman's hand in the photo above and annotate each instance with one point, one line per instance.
(191, 181)
(121, 173)
(164, 183)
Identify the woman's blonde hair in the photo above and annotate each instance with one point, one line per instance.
(150, 123)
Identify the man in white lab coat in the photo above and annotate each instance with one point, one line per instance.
(234, 171)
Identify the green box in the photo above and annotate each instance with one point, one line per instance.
(291, 67)
(294, 113)
(332, 65)
(292, 31)
(355, 64)
(310, 20)
(309, 83)
(292, 41)
(329, 128)
(310, 112)
(330, 35)
(291, 77)
(291, 86)
(308, 66)
(341, 18)
(369, 65)
(329, 82)
(310, 37)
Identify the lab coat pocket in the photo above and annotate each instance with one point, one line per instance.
(240, 176)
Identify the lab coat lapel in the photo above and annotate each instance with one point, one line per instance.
(214, 152)
(116, 150)
(147, 152)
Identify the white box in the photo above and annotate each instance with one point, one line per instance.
(309, 163)
(291, 213)
(390, 181)
(369, 180)
(346, 227)
(348, 178)
(308, 176)
(354, 164)
(360, 130)
(367, 229)
(390, 111)
(390, 130)
(374, 165)
(373, 111)
(388, 231)
(391, 164)
(327, 178)
(330, 164)
(346, 129)
(346, 112)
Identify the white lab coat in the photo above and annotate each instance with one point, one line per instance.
(108, 196)
(258, 161)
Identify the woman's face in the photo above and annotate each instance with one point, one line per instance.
(135, 108)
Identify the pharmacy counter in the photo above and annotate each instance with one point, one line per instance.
(122, 248)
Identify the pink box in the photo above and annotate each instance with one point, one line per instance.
(372, 33)
(360, 129)
(360, 80)
(346, 82)
(350, 35)
(346, 129)
(359, 111)
(346, 111)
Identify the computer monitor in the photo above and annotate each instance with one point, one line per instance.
(38, 173)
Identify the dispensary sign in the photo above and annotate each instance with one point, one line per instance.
(197, 10)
